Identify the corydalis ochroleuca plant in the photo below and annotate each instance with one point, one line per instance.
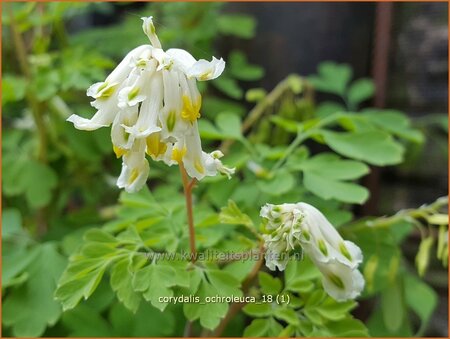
(152, 101)
(290, 226)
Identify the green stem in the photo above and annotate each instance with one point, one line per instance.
(414, 214)
(302, 135)
(261, 107)
(36, 106)
(291, 148)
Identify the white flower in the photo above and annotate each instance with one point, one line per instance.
(206, 70)
(323, 241)
(214, 165)
(150, 31)
(153, 103)
(135, 168)
(300, 224)
(340, 281)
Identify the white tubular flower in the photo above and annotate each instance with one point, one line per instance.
(214, 165)
(121, 139)
(291, 225)
(193, 160)
(340, 281)
(323, 241)
(283, 236)
(173, 126)
(201, 70)
(135, 168)
(150, 31)
(206, 70)
(106, 95)
(153, 103)
(147, 122)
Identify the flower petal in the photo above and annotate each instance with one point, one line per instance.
(182, 59)
(204, 70)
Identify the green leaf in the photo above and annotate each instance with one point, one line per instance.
(269, 284)
(219, 283)
(85, 322)
(241, 26)
(258, 310)
(335, 311)
(332, 78)
(212, 106)
(289, 125)
(11, 223)
(263, 328)
(209, 131)
(229, 124)
(32, 178)
(15, 262)
(328, 108)
(80, 280)
(155, 281)
(30, 307)
(392, 306)
(147, 322)
(347, 328)
(234, 216)
(376, 148)
(422, 299)
(280, 183)
(40, 181)
(324, 172)
(333, 189)
(286, 314)
(333, 167)
(241, 69)
(225, 282)
(209, 314)
(303, 270)
(359, 91)
(121, 280)
(98, 235)
(257, 328)
(13, 88)
(228, 86)
(394, 122)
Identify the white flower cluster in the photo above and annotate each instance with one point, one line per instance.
(302, 225)
(152, 101)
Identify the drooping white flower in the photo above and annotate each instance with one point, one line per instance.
(340, 281)
(300, 224)
(214, 165)
(135, 168)
(153, 103)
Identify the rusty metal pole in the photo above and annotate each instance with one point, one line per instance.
(380, 67)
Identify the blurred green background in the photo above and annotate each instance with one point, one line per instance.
(57, 180)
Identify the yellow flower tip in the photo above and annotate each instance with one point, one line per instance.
(198, 166)
(106, 91)
(133, 176)
(206, 76)
(119, 151)
(155, 147)
(191, 110)
(178, 154)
